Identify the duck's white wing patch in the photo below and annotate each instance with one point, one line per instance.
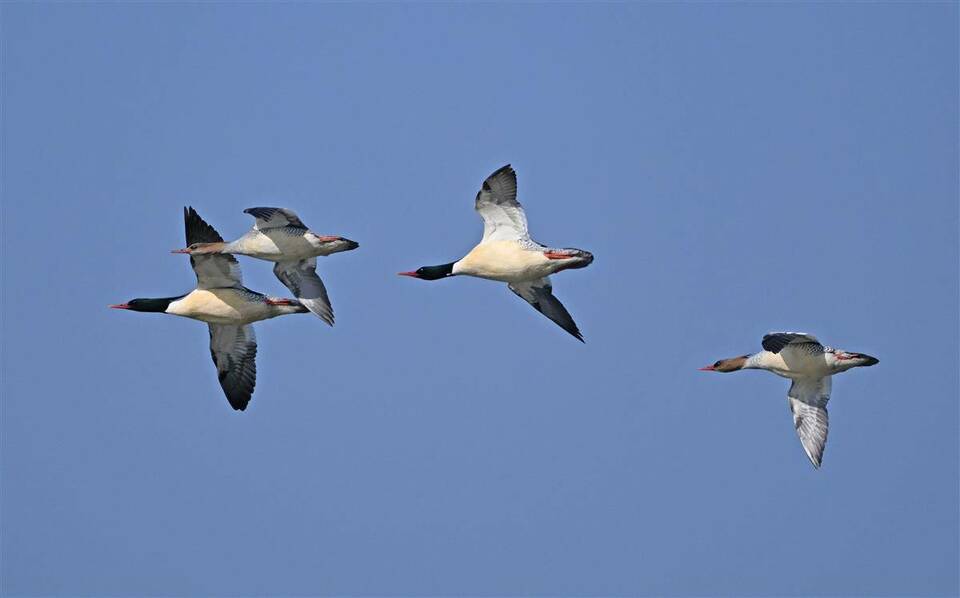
(274, 218)
(234, 352)
(302, 280)
(503, 216)
(213, 271)
(216, 271)
(808, 402)
(776, 341)
(539, 294)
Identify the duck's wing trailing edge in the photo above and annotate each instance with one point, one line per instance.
(808, 402)
(539, 294)
(300, 276)
(234, 352)
(503, 216)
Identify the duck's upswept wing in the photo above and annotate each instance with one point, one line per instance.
(302, 280)
(808, 402)
(274, 218)
(539, 294)
(234, 352)
(777, 341)
(503, 216)
(214, 271)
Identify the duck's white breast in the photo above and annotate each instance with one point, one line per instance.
(790, 363)
(276, 244)
(506, 261)
(292, 244)
(218, 306)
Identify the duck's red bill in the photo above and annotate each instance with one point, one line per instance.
(120, 306)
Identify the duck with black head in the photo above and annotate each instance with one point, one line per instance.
(228, 307)
(506, 253)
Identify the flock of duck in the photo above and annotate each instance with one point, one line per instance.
(506, 253)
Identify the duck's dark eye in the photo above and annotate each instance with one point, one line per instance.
(716, 365)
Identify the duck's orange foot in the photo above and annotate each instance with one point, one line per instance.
(556, 255)
(279, 302)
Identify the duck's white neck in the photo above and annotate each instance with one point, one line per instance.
(755, 362)
(231, 247)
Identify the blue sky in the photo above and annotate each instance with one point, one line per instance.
(735, 168)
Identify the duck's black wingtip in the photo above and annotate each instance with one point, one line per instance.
(197, 229)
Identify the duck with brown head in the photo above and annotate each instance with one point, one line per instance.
(280, 236)
(727, 365)
(810, 366)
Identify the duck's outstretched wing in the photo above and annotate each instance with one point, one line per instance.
(539, 294)
(808, 402)
(274, 218)
(777, 341)
(302, 280)
(234, 352)
(503, 216)
(214, 271)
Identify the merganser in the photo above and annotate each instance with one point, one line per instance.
(280, 236)
(229, 308)
(810, 365)
(506, 252)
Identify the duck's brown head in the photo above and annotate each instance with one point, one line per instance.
(201, 248)
(727, 365)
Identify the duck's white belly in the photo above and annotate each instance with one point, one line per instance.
(276, 245)
(506, 261)
(790, 363)
(220, 306)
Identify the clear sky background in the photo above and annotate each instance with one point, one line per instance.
(735, 168)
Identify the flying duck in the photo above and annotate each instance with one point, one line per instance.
(229, 308)
(278, 235)
(810, 366)
(506, 252)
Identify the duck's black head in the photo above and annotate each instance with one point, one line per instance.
(155, 305)
(431, 272)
